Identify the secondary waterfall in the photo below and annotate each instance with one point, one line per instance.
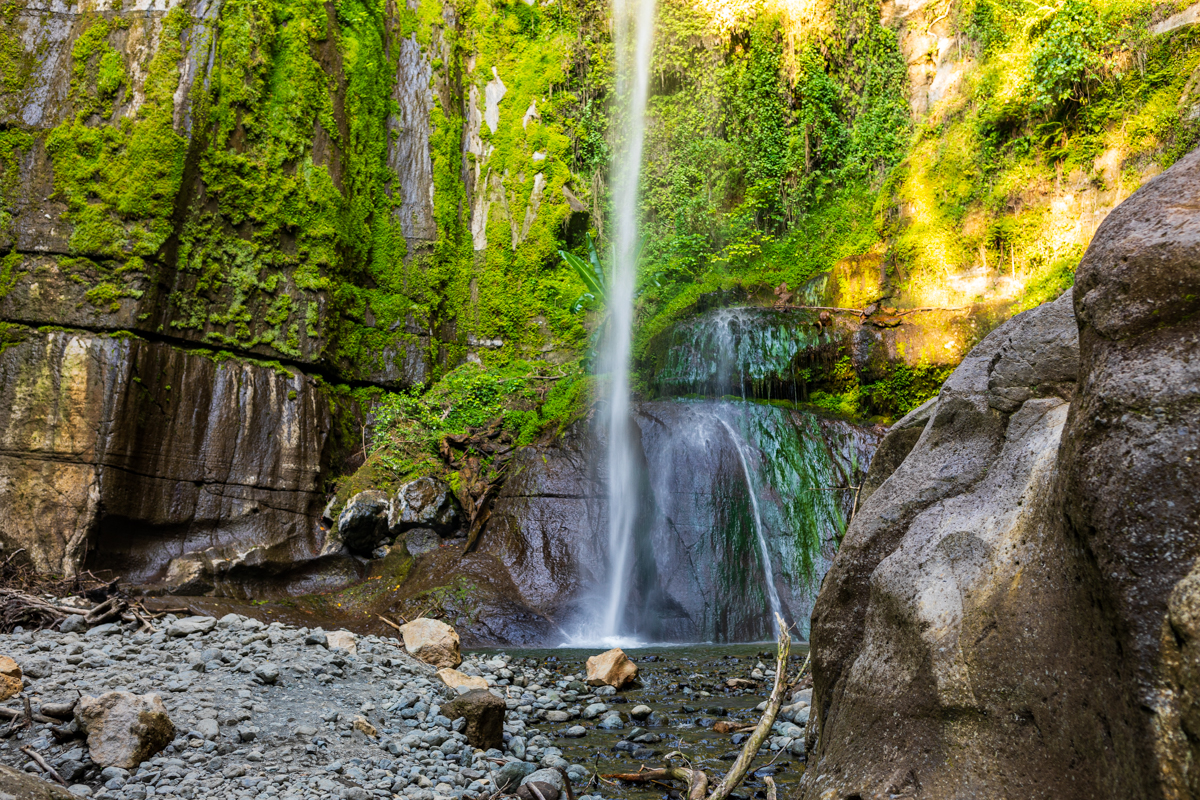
(633, 37)
(764, 553)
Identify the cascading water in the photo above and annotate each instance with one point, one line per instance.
(633, 37)
(765, 554)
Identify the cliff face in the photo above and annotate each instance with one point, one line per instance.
(139, 453)
(1012, 608)
(194, 195)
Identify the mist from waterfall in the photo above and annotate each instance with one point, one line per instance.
(633, 37)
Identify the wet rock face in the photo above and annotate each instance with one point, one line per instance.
(125, 454)
(424, 503)
(363, 522)
(1021, 591)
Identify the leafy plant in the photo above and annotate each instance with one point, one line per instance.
(1068, 56)
(590, 272)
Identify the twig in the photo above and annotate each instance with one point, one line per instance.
(41, 762)
(15, 553)
(387, 621)
(742, 765)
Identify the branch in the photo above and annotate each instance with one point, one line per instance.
(41, 762)
(742, 765)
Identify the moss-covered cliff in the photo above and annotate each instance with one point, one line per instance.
(373, 195)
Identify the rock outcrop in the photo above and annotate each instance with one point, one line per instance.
(1012, 612)
(135, 456)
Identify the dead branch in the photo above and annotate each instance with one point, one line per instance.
(696, 779)
(387, 621)
(41, 762)
(742, 765)
(772, 794)
(15, 714)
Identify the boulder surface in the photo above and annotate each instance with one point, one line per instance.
(459, 681)
(124, 729)
(433, 642)
(10, 678)
(612, 668)
(484, 713)
(1013, 611)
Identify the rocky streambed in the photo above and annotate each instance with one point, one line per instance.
(271, 711)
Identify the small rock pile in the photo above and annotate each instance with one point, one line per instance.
(234, 708)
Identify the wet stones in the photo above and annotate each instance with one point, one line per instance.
(424, 503)
(421, 540)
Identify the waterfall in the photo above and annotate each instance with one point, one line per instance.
(768, 570)
(633, 37)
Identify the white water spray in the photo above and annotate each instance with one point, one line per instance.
(768, 569)
(633, 37)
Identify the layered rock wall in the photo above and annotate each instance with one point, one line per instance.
(121, 453)
(1011, 613)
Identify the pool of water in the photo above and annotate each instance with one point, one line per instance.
(685, 686)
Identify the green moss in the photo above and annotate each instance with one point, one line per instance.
(109, 295)
(9, 263)
(120, 181)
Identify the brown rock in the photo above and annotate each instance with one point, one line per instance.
(124, 729)
(484, 713)
(459, 681)
(23, 786)
(741, 683)
(612, 668)
(361, 724)
(432, 641)
(545, 791)
(342, 640)
(10, 678)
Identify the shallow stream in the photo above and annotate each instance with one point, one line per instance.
(673, 680)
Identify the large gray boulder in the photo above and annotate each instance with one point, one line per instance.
(363, 523)
(1014, 610)
(424, 503)
(124, 729)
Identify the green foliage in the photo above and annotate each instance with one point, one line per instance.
(1068, 56)
(520, 398)
(120, 181)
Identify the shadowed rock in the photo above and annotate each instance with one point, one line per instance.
(484, 713)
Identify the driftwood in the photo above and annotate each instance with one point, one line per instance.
(696, 779)
(41, 762)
